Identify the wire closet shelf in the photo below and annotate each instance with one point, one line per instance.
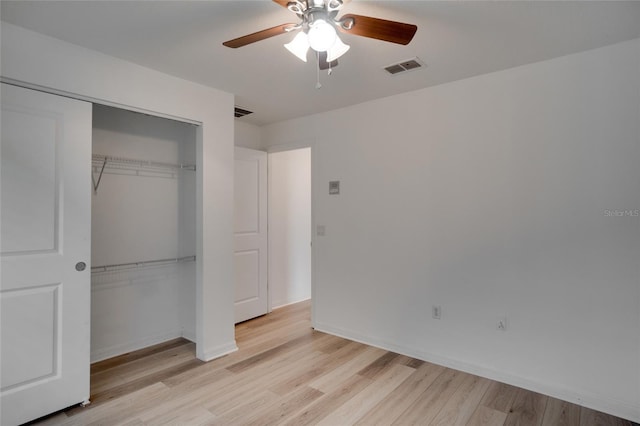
(100, 163)
(140, 264)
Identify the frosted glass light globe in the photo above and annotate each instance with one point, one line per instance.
(338, 49)
(322, 35)
(299, 46)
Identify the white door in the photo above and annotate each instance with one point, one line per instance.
(45, 232)
(250, 232)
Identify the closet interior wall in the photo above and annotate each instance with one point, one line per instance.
(142, 215)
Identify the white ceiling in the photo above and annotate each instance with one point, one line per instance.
(456, 39)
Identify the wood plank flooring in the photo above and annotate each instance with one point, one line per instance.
(287, 374)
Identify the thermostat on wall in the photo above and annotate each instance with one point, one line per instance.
(334, 187)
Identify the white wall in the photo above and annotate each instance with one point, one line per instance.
(138, 216)
(489, 196)
(289, 226)
(35, 60)
(247, 135)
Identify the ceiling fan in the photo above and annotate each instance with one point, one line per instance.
(317, 26)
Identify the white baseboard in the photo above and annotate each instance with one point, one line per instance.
(586, 399)
(208, 355)
(123, 348)
(218, 351)
(190, 336)
(282, 305)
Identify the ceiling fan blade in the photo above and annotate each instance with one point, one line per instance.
(282, 3)
(322, 61)
(257, 36)
(380, 29)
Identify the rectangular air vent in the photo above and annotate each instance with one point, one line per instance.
(239, 112)
(404, 66)
(394, 69)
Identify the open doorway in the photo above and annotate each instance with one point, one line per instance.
(289, 226)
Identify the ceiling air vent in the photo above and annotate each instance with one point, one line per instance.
(239, 112)
(404, 66)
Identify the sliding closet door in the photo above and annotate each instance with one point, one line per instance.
(45, 252)
(250, 232)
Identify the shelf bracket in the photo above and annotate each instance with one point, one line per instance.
(97, 184)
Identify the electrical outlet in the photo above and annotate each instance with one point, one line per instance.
(436, 311)
(501, 324)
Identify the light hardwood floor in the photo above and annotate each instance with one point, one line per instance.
(287, 374)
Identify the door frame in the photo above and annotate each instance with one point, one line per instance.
(307, 143)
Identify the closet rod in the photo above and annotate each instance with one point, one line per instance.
(109, 268)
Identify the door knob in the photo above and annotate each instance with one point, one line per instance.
(80, 266)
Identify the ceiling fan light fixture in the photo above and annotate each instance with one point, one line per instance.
(322, 35)
(317, 27)
(299, 46)
(338, 49)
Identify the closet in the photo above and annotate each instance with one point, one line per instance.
(143, 231)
